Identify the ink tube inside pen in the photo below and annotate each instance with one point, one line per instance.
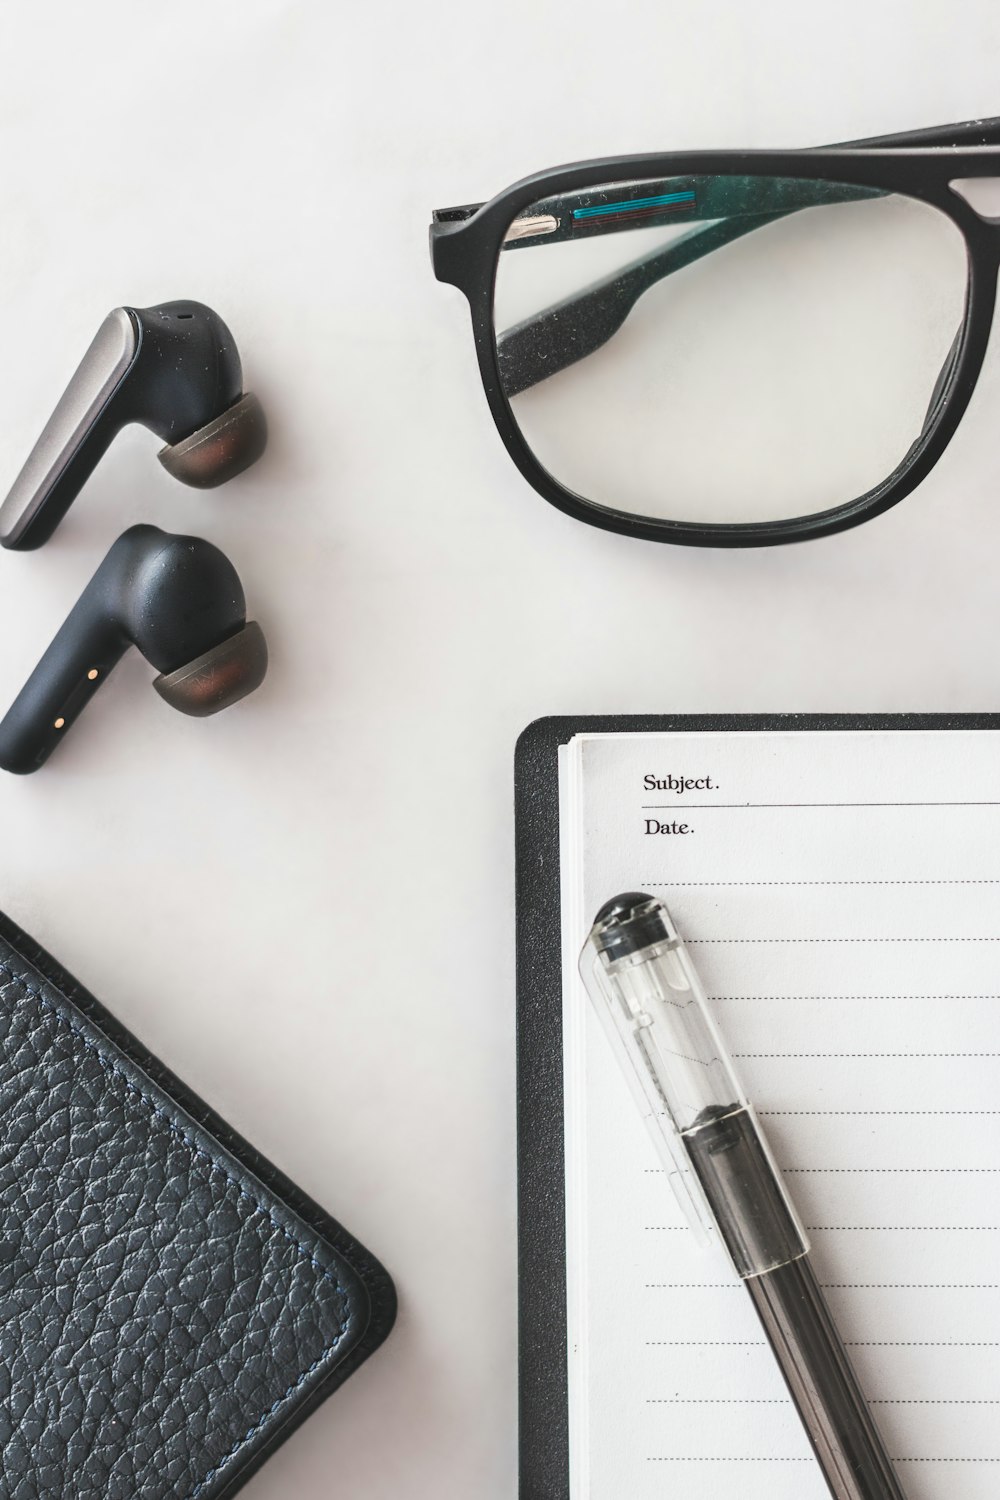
(651, 1004)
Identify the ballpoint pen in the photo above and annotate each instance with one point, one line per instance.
(652, 1006)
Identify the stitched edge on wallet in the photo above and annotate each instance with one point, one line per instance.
(47, 1005)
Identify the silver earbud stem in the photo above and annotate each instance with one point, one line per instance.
(100, 372)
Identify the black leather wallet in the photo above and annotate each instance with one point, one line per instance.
(171, 1306)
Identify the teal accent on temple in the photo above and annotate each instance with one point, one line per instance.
(637, 205)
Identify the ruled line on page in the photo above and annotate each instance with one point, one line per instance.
(683, 885)
(858, 1056)
(715, 1458)
(842, 1286)
(789, 806)
(870, 1171)
(786, 1401)
(899, 995)
(858, 1228)
(848, 1343)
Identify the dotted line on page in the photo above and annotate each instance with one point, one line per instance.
(672, 885)
(778, 1401)
(857, 1056)
(863, 1113)
(746, 942)
(837, 1286)
(709, 1458)
(870, 1171)
(860, 1228)
(894, 1171)
(849, 1343)
(906, 995)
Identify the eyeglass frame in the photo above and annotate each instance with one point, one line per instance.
(466, 243)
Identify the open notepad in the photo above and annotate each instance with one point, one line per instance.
(840, 893)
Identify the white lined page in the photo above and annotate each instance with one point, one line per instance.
(840, 894)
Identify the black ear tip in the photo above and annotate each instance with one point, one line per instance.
(222, 449)
(220, 677)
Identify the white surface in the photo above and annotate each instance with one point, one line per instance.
(214, 882)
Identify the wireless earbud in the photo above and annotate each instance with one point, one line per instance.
(174, 369)
(180, 601)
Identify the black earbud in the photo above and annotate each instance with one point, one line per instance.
(180, 601)
(174, 369)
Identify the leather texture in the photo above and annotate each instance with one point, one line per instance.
(170, 1305)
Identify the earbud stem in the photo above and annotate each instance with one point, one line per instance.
(77, 435)
(79, 659)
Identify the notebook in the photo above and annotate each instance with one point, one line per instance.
(838, 883)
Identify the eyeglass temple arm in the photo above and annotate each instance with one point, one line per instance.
(568, 331)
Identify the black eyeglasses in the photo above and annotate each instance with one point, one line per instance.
(734, 349)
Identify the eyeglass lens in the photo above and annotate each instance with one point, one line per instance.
(727, 349)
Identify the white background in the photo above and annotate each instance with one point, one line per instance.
(305, 905)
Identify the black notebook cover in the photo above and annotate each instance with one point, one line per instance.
(544, 1440)
(171, 1305)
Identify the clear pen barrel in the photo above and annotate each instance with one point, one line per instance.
(652, 1005)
